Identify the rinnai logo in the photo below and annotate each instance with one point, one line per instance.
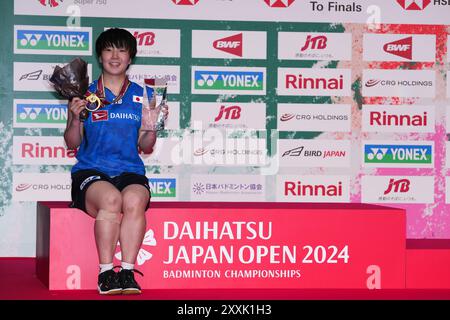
(397, 186)
(414, 4)
(401, 48)
(144, 38)
(279, 3)
(185, 2)
(377, 118)
(50, 3)
(298, 81)
(230, 112)
(315, 43)
(36, 151)
(232, 44)
(299, 189)
(101, 115)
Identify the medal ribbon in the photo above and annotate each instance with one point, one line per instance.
(100, 91)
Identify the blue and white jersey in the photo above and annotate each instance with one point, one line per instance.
(110, 140)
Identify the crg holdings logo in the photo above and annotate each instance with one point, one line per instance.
(279, 3)
(50, 3)
(185, 2)
(414, 4)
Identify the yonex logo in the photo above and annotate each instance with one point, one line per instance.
(161, 187)
(407, 154)
(33, 113)
(377, 153)
(229, 80)
(87, 180)
(30, 39)
(40, 39)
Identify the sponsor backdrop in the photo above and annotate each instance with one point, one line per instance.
(271, 101)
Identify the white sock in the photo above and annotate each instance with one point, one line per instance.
(105, 267)
(127, 266)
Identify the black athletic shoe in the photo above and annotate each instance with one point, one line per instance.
(108, 283)
(128, 283)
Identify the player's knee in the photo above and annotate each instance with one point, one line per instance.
(113, 217)
(112, 201)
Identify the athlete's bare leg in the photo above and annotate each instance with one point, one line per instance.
(132, 229)
(104, 203)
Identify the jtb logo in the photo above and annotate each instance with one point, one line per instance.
(231, 112)
(318, 42)
(401, 185)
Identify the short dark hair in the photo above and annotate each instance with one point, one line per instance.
(118, 38)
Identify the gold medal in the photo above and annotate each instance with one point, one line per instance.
(94, 102)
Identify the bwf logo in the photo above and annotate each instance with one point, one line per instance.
(401, 48)
(231, 44)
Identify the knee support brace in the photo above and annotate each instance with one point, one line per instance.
(104, 215)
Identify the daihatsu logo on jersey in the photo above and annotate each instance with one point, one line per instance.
(279, 3)
(231, 44)
(401, 48)
(52, 40)
(414, 4)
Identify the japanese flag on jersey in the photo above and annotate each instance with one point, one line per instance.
(137, 99)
